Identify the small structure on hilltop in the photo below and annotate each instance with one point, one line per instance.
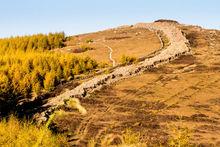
(167, 20)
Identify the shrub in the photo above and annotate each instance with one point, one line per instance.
(82, 49)
(180, 137)
(126, 60)
(75, 104)
(128, 138)
(24, 133)
(131, 138)
(103, 65)
(89, 41)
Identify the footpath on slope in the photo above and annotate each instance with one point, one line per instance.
(178, 46)
(110, 54)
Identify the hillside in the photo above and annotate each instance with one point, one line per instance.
(168, 95)
(126, 40)
(164, 100)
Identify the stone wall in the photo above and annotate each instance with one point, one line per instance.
(178, 46)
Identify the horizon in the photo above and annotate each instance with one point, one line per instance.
(26, 18)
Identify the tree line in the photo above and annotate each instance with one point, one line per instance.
(26, 74)
(34, 42)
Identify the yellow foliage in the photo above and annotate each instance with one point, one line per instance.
(128, 60)
(25, 134)
(33, 72)
(180, 137)
(50, 81)
(32, 42)
(131, 138)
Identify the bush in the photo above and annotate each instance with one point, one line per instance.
(126, 60)
(23, 133)
(128, 138)
(180, 137)
(82, 49)
(89, 41)
(131, 138)
(75, 104)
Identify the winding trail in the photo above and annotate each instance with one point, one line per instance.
(178, 46)
(110, 54)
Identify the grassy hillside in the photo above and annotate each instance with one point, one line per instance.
(176, 104)
(124, 41)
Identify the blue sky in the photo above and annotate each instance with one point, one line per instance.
(21, 17)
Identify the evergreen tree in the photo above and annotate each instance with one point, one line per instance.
(50, 81)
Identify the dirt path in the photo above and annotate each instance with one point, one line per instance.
(110, 54)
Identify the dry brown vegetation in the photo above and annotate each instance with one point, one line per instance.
(135, 42)
(183, 95)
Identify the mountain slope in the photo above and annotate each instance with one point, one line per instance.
(173, 91)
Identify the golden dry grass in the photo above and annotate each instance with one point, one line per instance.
(75, 104)
(185, 92)
(127, 41)
(25, 134)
